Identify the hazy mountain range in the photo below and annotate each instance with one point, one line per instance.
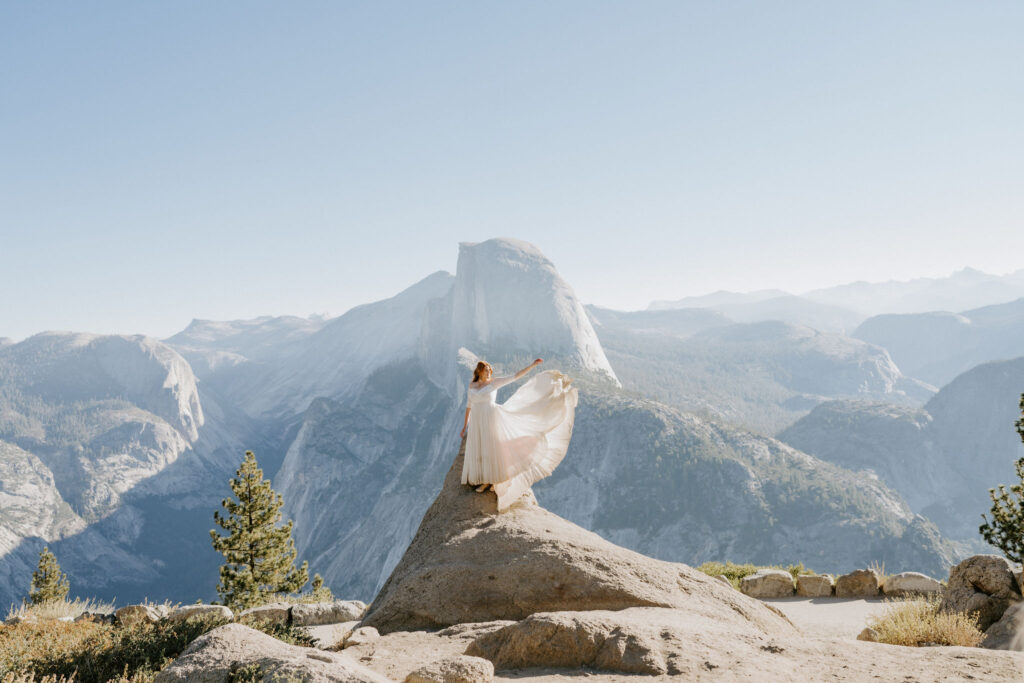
(116, 450)
(842, 308)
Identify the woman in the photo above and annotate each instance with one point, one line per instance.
(510, 446)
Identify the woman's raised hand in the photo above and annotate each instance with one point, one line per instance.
(538, 361)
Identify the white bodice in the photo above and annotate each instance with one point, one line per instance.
(488, 393)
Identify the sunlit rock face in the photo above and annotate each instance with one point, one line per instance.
(508, 296)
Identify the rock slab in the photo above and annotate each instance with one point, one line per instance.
(911, 583)
(319, 613)
(1008, 632)
(862, 583)
(130, 615)
(815, 585)
(984, 585)
(274, 613)
(458, 669)
(217, 655)
(768, 583)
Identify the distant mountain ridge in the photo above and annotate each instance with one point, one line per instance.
(942, 457)
(937, 346)
(356, 419)
(841, 308)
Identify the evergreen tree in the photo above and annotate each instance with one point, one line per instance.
(1006, 530)
(320, 592)
(49, 583)
(259, 555)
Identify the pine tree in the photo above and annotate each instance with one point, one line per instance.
(1006, 530)
(259, 555)
(49, 583)
(319, 592)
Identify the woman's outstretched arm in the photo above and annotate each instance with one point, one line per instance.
(499, 382)
(529, 367)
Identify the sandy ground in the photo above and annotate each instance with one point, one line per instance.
(829, 617)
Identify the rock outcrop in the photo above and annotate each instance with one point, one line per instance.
(1008, 632)
(319, 613)
(984, 585)
(458, 669)
(469, 564)
(768, 583)
(862, 583)
(815, 585)
(218, 655)
(911, 583)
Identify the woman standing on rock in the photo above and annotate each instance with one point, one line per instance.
(509, 446)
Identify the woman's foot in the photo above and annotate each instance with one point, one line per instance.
(482, 488)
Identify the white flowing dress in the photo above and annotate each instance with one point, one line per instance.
(514, 444)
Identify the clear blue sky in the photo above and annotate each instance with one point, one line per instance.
(164, 161)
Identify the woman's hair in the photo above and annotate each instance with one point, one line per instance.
(480, 367)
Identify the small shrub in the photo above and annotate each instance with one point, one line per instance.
(918, 621)
(59, 609)
(293, 635)
(97, 652)
(879, 569)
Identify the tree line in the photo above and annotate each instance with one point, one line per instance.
(259, 551)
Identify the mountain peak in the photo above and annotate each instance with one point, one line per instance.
(509, 300)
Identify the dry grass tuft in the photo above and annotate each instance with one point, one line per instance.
(60, 609)
(918, 621)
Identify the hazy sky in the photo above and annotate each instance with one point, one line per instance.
(164, 161)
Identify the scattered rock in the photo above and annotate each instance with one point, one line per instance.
(768, 583)
(868, 634)
(13, 621)
(982, 585)
(458, 669)
(815, 585)
(274, 613)
(183, 613)
(130, 615)
(911, 583)
(216, 655)
(337, 612)
(862, 583)
(468, 564)
(96, 618)
(1008, 632)
(362, 636)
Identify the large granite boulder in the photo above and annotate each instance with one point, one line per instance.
(1008, 632)
(467, 563)
(768, 583)
(130, 615)
(984, 585)
(911, 583)
(862, 583)
(815, 585)
(217, 656)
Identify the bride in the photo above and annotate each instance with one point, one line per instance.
(509, 446)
